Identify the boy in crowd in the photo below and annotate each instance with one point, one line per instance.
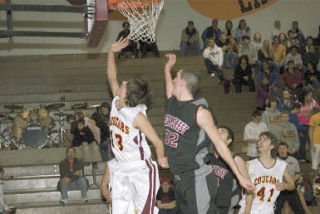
(272, 117)
(166, 200)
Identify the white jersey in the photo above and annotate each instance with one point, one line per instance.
(265, 181)
(112, 167)
(128, 143)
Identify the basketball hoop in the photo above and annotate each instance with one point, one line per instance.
(142, 16)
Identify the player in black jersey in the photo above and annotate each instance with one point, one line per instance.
(189, 131)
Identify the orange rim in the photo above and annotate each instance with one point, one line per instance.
(136, 4)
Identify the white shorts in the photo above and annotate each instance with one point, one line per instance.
(315, 157)
(135, 183)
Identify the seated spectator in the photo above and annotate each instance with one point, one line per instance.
(295, 57)
(265, 53)
(70, 176)
(314, 135)
(211, 32)
(71, 119)
(213, 59)
(293, 78)
(294, 199)
(267, 71)
(283, 39)
(90, 123)
(243, 75)
(294, 118)
(311, 56)
(230, 57)
(271, 116)
(276, 31)
(242, 30)
(228, 30)
(252, 132)
(148, 47)
(309, 43)
(190, 39)
(248, 50)
(312, 77)
(278, 51)
(222, 43)
(286, 102)
(88, 146)
(257, 42)
(288, 133)
(298, 34)
(132, 47)
(4, 208)
(228, 186)
(235, 45)
(307, 104)
(166, 200)
(264, 92)
(292, 40)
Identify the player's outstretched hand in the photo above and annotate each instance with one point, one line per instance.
(163, 162)
(119, 45)
(281, 186)
(247, 184)
(171, 61)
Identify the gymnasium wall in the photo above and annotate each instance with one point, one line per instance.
(173, 19)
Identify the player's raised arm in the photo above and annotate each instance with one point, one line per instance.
(205, 121)
(111, 67)
(104, 184)
(167, 72)
(143, 124)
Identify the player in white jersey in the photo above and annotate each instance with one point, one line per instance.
(136, 178)
(266, 173)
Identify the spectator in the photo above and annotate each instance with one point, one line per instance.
(264, 92)
(252, 132)
(222, 43)
(213, 59)
(298, 34)
(243, 75)
(190, 39)
(257, 42)
(294, 118)
(211, 32)
(287, 132)
(276, 31)
(166, 200)
(314, 135)
(88, 146)
(312, 77)
(273, 76)
(132, 47)
(311, 56)
(148, 47)
(293, 198)
(4, 208)
(71, 119)
(286, 102)
(293, 78)
(265, 53)
(228, 30)
(278, 51)
(242, 30)
(248, 50)
(235, 45)
(271, 116)
(70, 176)
(295, 57)
(292, 40)
(307, 104)
(283, 39)
(309, 43)
(229, 57)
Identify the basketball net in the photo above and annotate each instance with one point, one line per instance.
(142, 16)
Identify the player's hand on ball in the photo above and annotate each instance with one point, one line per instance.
(119, 45)
(281, 186)
(246, 183)
(163, 162)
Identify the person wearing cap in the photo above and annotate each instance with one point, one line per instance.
(166, 201)
(190, 39)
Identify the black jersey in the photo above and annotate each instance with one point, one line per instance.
(186, 144)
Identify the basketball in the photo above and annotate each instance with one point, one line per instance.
(229, 9)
